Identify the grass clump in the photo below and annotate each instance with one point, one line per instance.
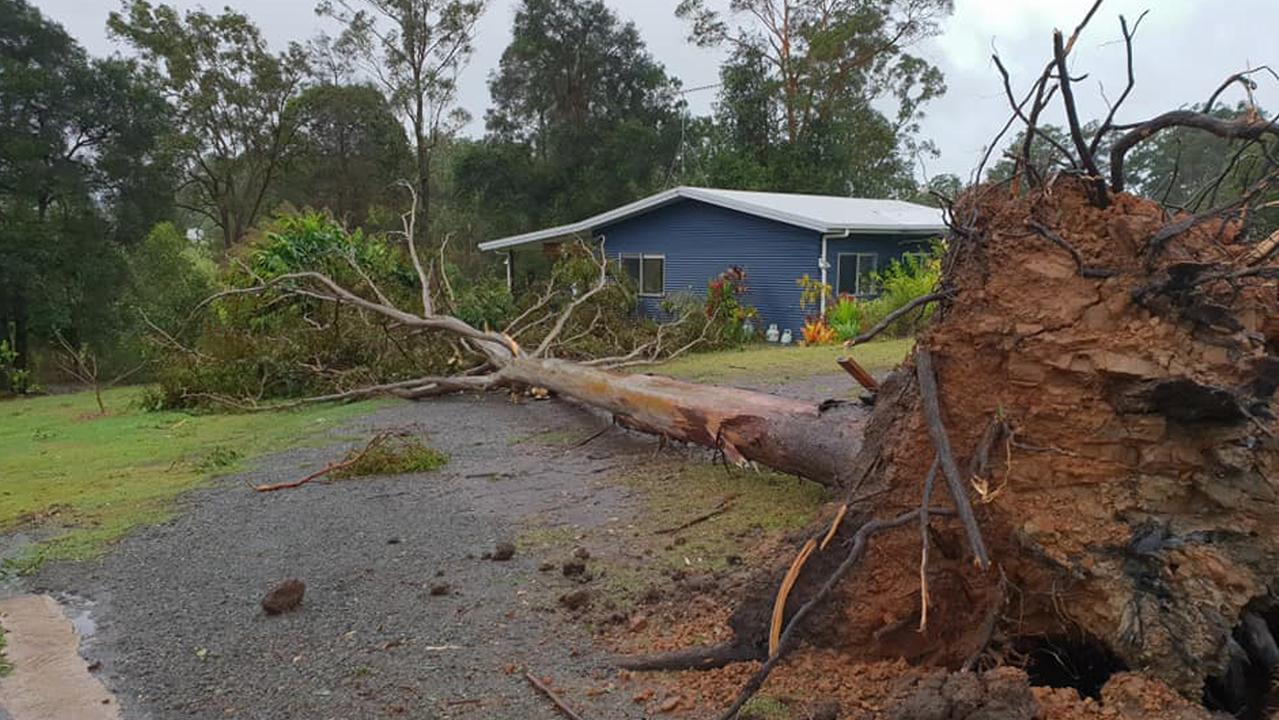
(395, 456)
(762, 707)
(5, 666)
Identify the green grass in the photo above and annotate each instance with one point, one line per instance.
(777, 364)
(761, 504)
(762, 707)
(5, 666)
(80, 480)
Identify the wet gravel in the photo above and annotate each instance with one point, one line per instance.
(179, 632)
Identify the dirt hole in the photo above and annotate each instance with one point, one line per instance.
(1064, 661)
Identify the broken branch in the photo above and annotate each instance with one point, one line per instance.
(334, 467)
(541, 687)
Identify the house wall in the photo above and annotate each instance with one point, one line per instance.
(700, 241)
(886, 247)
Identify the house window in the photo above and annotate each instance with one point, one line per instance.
(648, 272)
(856, 274)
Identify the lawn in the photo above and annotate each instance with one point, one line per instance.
(77, 480)
(778, 364)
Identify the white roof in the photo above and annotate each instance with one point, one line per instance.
(820, 213)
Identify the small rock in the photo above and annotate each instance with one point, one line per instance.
(284, 597)
(639, 622)
(546, 566)
(576, 600)
(503, 552)
(574, 568)
(393, 541)
(582, 553)
(441, 589)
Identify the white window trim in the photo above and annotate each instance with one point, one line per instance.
(639, 282)
(857, 276)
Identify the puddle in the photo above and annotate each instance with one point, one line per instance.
(79, 610)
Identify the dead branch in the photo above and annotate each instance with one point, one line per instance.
(1108, 123)
(1248, 127)
(567, 313)
(1094, 177)
(377, 440)
(858, 373)
(941, 440)
(720, 508)
(896, 315)
(409, 221)
(541, 687)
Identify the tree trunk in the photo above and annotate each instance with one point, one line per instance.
(790, 436)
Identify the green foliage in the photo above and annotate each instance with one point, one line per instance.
(14, 379)
(725, 309)
(811, 292)
(802, 105)
(266, 345)
(486, 303)
(901, 282)
(398, 456)
(583, 118)
(5, 666)
(844, 316)
(83, 173)
(350, 151)
(169, 275)
(231, 97)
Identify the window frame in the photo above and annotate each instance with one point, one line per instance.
(857, 274)
(639, 280)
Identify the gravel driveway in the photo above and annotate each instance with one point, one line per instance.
(173, 609)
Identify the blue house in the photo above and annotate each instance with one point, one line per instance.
(677, 240)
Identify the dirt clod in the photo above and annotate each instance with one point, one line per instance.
(503, 552)
(441, 589)
(284, 597)
(576, 600)
(574, 568)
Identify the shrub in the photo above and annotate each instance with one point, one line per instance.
(724, 306)
(901, 282)
(486, 304)
(845, 317)
(267, 346)
(817, 332)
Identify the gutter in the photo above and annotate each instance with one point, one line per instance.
(824, 264)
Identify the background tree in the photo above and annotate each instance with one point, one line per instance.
(82, 173)
(415, 49)
(583, 117)
(231, 99)
(814, 72)
(350, 151)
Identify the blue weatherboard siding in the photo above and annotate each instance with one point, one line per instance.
(700, 241)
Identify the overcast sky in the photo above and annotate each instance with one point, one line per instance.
(1184, 49)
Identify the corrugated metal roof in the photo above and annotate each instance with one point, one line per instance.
(820, 213)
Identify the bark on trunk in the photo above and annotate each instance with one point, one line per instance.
(791, 436)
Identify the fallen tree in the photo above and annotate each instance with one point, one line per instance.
(1106, 372)
(1096, 391)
